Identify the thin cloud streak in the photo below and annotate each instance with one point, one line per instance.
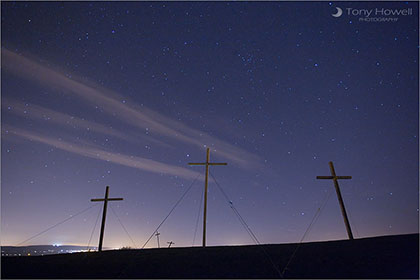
(99, 154)
(36, 112)
(137, 116)
(41, 113)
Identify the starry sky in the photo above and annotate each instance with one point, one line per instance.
(125, 94)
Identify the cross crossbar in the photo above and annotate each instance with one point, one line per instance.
(102, 199)
(332, 177)
(209, 163)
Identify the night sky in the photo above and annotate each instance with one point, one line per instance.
(125, 94)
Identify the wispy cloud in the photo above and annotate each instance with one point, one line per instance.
(100, 154)
(36, 112)
(41, 113)
(129, 113)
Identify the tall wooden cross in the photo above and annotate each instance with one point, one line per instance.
(335, 178)
(207, 164)
(105, 200)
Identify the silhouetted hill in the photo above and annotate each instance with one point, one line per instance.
(377, 257)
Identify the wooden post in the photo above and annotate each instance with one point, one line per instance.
(207, 163)
(206, 183)
(105, 200)
(101, 237)
(170, 243)
(335, 178)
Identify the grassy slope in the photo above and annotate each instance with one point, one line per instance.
(378, 257)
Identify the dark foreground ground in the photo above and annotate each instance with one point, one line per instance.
(378, 257)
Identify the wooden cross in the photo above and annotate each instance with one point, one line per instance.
(105, 200)
(335, 178)
(157, 236)
(170, 243)
(207, 164)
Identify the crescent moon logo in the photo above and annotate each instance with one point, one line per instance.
(339, 12)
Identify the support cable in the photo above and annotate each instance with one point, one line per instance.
(198, 216)
(313, 221)
(126, 231)
(170, 212)
(241, 220)
(91, 235)
(247, 228)
(167, 216)
(236, 212)
(57, 224)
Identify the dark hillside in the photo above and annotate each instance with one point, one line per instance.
(378, 257)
